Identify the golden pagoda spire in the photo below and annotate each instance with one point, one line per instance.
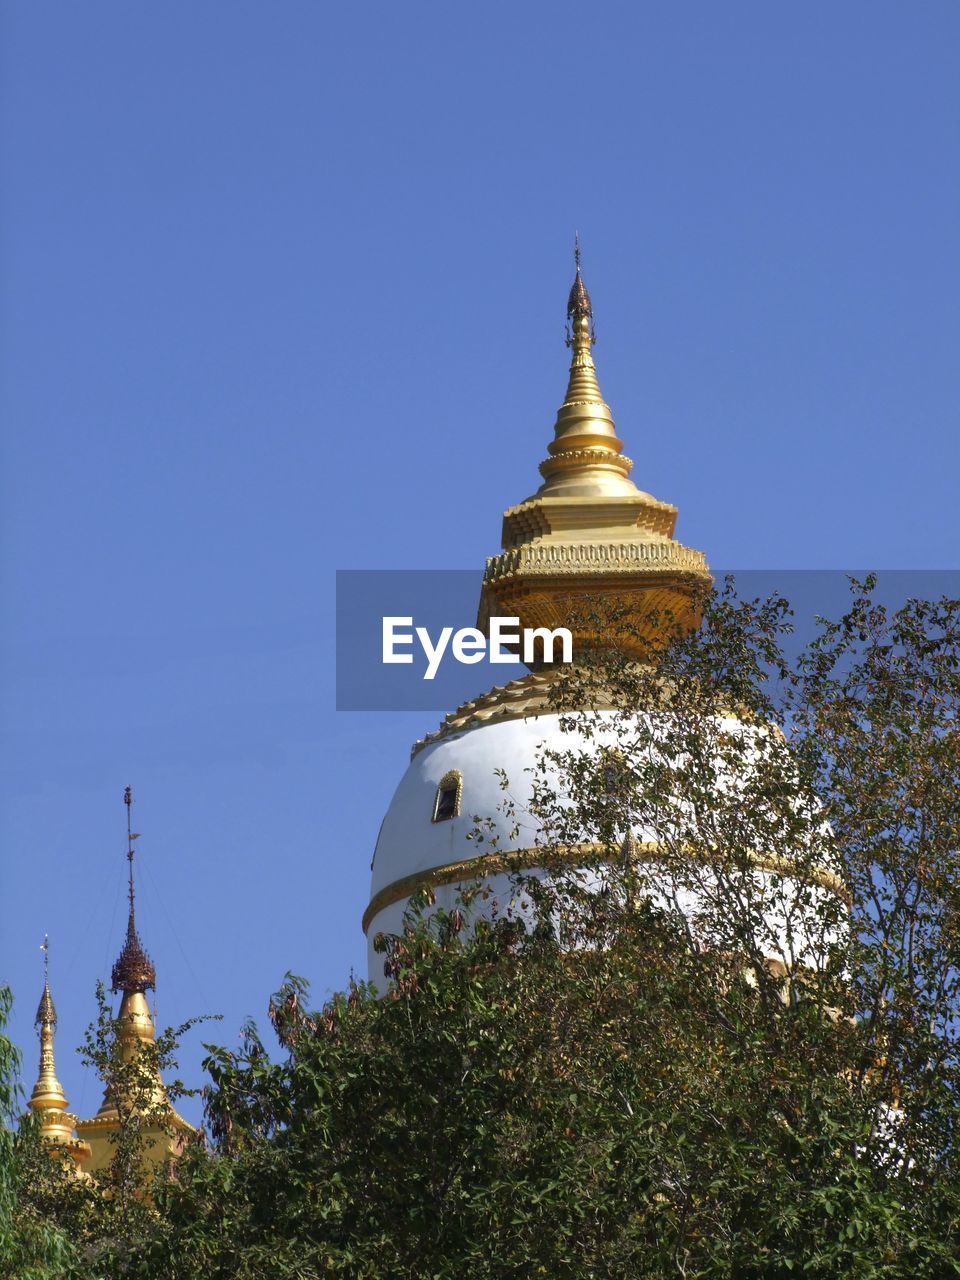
(47, 1092)
(589, 534)
(48, 1100)
(585, 454)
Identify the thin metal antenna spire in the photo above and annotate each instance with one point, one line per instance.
(131, 836)
(576, 250)
(46, 1013)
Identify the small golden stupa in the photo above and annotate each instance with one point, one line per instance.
(48, 1100)
(164, 1131)
(588, 533)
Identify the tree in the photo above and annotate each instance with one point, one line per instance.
(32, 1247)
(107, 1224)
(725, 1045)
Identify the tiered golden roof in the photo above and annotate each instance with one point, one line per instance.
(589, 533)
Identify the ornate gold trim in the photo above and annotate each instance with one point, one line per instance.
(495, 863)
(577, 459)
(591, 558)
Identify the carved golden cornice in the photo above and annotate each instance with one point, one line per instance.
(596, 558)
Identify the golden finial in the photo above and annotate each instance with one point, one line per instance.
(579, 307)
(134, 969)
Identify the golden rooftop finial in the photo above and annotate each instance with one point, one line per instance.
(578, 302)
(134, 969)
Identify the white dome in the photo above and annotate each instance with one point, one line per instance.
(414, 850)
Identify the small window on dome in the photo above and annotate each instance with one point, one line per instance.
(447, 802)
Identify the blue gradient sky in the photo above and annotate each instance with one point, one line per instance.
(284, 291)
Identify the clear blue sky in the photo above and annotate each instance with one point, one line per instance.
(283, 293)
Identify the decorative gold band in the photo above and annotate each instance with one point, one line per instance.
(496, 863)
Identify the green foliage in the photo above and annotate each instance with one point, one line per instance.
(32, 1246)
(731, 1054)
(130, 1069)
(518, 1109)
(107, 1225)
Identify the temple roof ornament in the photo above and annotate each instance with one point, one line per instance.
(133, 970)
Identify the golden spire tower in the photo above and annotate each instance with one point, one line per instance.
(134, 974)
(585, 456)
(48, 1100)
(589, 532)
